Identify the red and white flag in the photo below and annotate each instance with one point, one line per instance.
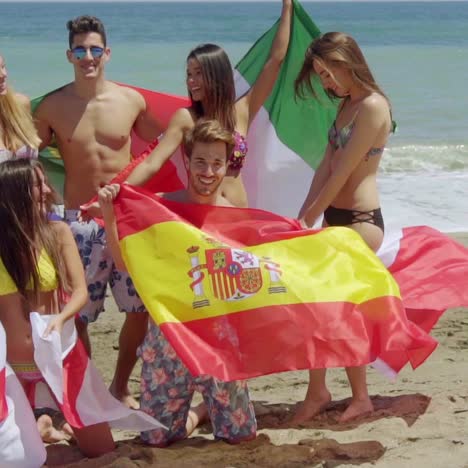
(71, 384)
(75, 383)
(431, 270)
(20, 443)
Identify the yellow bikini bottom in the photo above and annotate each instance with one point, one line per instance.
(28, 371)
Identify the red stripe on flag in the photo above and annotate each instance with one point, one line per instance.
(165, 180)
(3, 402)
(232, 285)
(137, 210)
(162, 106)
(431, 270)
(227, 290)
(74, 370)
(425, 320)
(301, 336)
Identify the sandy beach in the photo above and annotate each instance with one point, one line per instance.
(420, 420)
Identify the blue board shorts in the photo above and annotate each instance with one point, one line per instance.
(100, 270)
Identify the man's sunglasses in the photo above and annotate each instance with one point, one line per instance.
(80, 52)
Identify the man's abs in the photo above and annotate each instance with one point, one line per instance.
(86, 172)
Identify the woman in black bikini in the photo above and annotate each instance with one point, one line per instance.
(344, 188)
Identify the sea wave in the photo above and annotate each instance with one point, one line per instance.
(425, 159)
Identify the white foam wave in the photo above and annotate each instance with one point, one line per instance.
(425, 159)
(434, 199)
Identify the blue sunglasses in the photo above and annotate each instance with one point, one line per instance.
(80, 52)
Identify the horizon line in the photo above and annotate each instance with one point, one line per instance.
(229, 1)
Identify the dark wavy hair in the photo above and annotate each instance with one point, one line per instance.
(219, 85)
(27, 230)
(85, 24)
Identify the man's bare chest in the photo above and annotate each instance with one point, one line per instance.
(109, 124)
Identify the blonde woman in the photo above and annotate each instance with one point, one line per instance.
(18, 137)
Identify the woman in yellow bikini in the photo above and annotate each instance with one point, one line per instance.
(40, 271)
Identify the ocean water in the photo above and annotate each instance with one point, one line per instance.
(418, 52)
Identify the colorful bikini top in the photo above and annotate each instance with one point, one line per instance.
(339, 138)
(237, 158)
(47, 276)
(21, 153)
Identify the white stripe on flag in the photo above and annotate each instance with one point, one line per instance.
(94, 404)
(276, 178)
(2, 347)
(20, 443)
(390, 247)
(384, 369)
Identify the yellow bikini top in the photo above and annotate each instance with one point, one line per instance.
(47, 276)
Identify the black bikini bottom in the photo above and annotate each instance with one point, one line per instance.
(343, 217)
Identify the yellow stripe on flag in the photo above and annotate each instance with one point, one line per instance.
(184, 275)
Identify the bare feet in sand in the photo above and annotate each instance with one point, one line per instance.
(356, 409)
(311, 407)
(51, 434)
(197, 415)
(126, 398)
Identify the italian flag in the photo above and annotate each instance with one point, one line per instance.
(288, 137)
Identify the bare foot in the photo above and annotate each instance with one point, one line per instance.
(356, 409)
(50, 434)
(310, 408)
(126, 398)
(196, 416)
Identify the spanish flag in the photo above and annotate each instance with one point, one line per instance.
(242, 292)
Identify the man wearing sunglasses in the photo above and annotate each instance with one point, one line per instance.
(91, 120)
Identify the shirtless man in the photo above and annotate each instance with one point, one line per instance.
(91, 120)
(207, 147)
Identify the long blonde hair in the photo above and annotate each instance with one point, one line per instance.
(16, 123)
(340, 49)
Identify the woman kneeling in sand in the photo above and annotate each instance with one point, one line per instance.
(39, 264)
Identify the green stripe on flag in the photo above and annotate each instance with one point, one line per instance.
(50, 157)
(301, 125)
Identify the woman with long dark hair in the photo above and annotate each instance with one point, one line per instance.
(212, 93)
(344, 187)
(41, 272)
